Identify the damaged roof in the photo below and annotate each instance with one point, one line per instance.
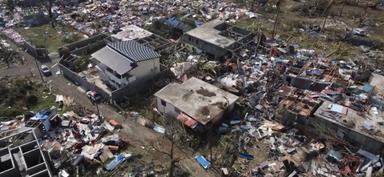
(208, 32)
(377, 81)
(366, 124)
(200, 100)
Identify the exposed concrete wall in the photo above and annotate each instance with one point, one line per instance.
(146, 69)
(355, 138)
(306, 84)
(74, 77)
(8, 167)
(131, 89)
(168, 109)
(119, 94)
(171, 111)
(215, 51)
(27, 159)
(84, 43)
(35, 52)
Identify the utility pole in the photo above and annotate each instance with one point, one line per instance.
(97, 109)
(7, 59)
(172, 165)
(39, 70)
(276, 18)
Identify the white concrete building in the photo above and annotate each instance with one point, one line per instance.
(122, 63)
(194, 101)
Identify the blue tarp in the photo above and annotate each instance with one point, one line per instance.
(246, 156)
(333, 155)
(175, 23)
(316, 72)
(43, 116)
(198, 23)
(172, 22)
(368, 88)
(115, 162)
(202, 161)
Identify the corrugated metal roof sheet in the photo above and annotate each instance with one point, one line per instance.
(134, 50)
(113, 60)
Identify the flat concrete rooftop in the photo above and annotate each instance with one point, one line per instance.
(198, 99)
(377, 81)
(208, 32)
(348, 116)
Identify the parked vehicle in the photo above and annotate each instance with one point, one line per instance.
(202, 161)
(45, 70)
(94, 96)
(359, 32)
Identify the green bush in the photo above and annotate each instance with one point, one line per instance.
(10, 112)
(32, 100)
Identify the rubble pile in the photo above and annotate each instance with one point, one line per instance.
(72, 140)
(111, 15)
(8, 55)
(285, 92)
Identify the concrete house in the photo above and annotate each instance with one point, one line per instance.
(219, 39)
(125, 62)
(194, 102)
(351, 125)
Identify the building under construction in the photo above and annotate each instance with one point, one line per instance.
(20, 154)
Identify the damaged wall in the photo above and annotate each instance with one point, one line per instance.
(355, 138)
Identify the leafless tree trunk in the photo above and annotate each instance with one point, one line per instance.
(172, 165)
(276, 18)
(342, 8)
(325, 14)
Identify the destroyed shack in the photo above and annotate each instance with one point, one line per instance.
(194, 102)
(219, 39)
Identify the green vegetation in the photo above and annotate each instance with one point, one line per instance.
(81, 63)
(47, 37)
(20, 95)
(44, 101)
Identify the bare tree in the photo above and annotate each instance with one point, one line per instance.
(48, 4)
(276, 18)
(325, 13)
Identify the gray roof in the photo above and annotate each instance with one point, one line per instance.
(200, 100)
(208, 33)
(134, 50)
(113, 60)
